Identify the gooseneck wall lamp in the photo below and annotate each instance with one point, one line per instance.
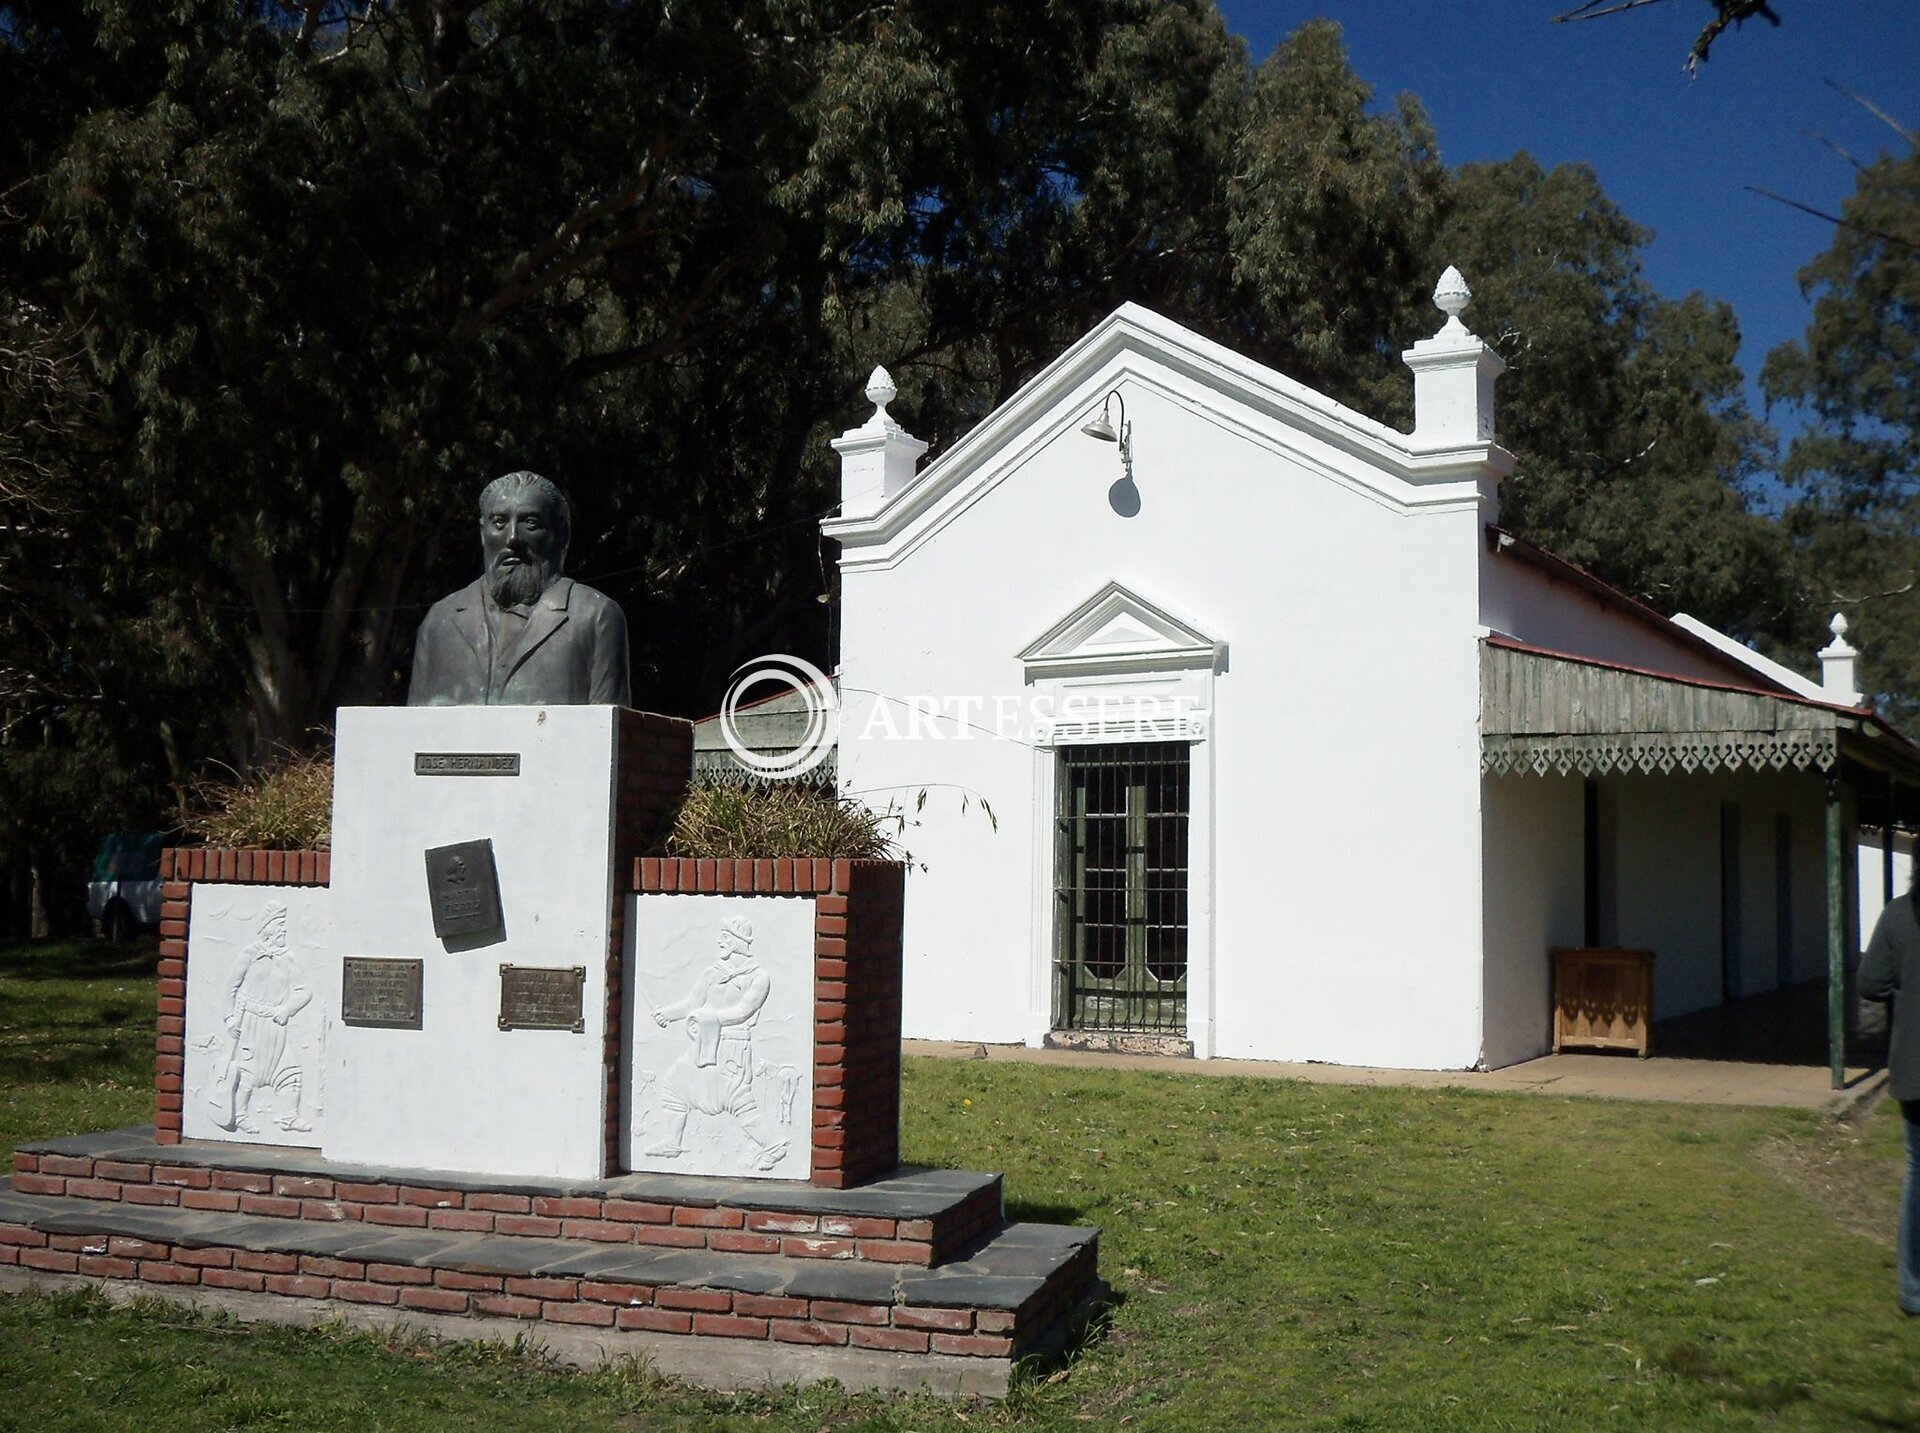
(1103, 429)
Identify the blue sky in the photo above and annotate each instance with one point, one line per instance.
(1676, 154)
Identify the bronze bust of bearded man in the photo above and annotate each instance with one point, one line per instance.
(523, 634)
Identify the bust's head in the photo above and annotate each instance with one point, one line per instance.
(524, 527)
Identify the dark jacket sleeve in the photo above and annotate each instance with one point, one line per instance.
(1880, 968)
(420, 684)
(610, 682)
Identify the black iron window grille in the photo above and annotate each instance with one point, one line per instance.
(1120, 887)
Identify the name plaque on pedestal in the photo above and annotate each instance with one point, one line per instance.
(466, 763)
(465, 889)
(535, 997)
(380, 993)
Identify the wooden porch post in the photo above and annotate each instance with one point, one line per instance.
(1836, 940)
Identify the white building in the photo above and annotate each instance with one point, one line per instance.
(1256, 732)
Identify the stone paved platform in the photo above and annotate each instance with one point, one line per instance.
(1007, 1272)
(1014, 1295)
(914, 1280)
(912, 1216)
(909, 1192)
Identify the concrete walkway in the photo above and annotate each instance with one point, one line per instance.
(1610, 1077)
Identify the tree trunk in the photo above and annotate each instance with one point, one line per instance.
(39, 927)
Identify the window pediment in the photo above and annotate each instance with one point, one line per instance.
(1117, 630)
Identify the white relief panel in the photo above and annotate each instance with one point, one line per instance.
(263, 989)
(719, 1019)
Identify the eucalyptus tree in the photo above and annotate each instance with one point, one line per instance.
(1637, 451)
(308, 273)
(1854, 469)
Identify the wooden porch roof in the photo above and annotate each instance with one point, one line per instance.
(1550, 712)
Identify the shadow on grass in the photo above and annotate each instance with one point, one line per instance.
(127, 1055)
(1690, 1360)
(79, 960)
(1085, 1326)
(1026, 1211)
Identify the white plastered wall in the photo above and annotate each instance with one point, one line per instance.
(1342, 745)
(1873, 874)
(1522, 602)
(1534, 838)
(1664, 886)
(1660, 888)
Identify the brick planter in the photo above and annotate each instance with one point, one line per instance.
(180, 869)
(856, 992)
(855, 1134)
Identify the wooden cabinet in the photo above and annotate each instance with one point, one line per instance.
(1602, 1000)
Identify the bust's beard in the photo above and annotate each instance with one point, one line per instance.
(519, 584)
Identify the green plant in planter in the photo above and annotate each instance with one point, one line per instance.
(285, 805)
(780, 819)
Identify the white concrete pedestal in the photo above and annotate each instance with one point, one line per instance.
(460, 1093)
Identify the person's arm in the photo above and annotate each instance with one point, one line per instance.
(610, 682)
(1880, 969)
(422, 664)
(297, 1000)
(687, 1003)
(236, 977)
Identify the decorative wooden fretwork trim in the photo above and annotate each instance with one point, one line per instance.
(1657, 753)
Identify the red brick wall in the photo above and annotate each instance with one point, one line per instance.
(732, 1225)
(653, 764)
(180, 869)
(856, 993)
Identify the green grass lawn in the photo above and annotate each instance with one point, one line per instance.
(1282, 1255)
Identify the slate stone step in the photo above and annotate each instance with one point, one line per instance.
(912, 1216)
(1004, 1298)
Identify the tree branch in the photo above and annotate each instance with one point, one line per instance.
(1726, 12)
(1594, 9)
(1837, 598)
(527, 277)
(667, 344)
(1911, 136)
(1879, 234)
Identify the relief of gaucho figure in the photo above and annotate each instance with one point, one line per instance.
(523, 634)
(716, 1075)
(263, 993)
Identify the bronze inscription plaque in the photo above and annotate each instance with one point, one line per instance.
(465, 890)
(466, 763)
(542, 997)
(379, 992)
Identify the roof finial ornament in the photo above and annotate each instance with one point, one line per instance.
(1451, 296)
(878, 458)
(880, 392)
(1839, 671)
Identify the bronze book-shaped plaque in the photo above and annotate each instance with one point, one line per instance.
(464, 889)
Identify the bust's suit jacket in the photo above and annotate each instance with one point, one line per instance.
(574, 652)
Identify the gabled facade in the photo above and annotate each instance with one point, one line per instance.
(1189, 727)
